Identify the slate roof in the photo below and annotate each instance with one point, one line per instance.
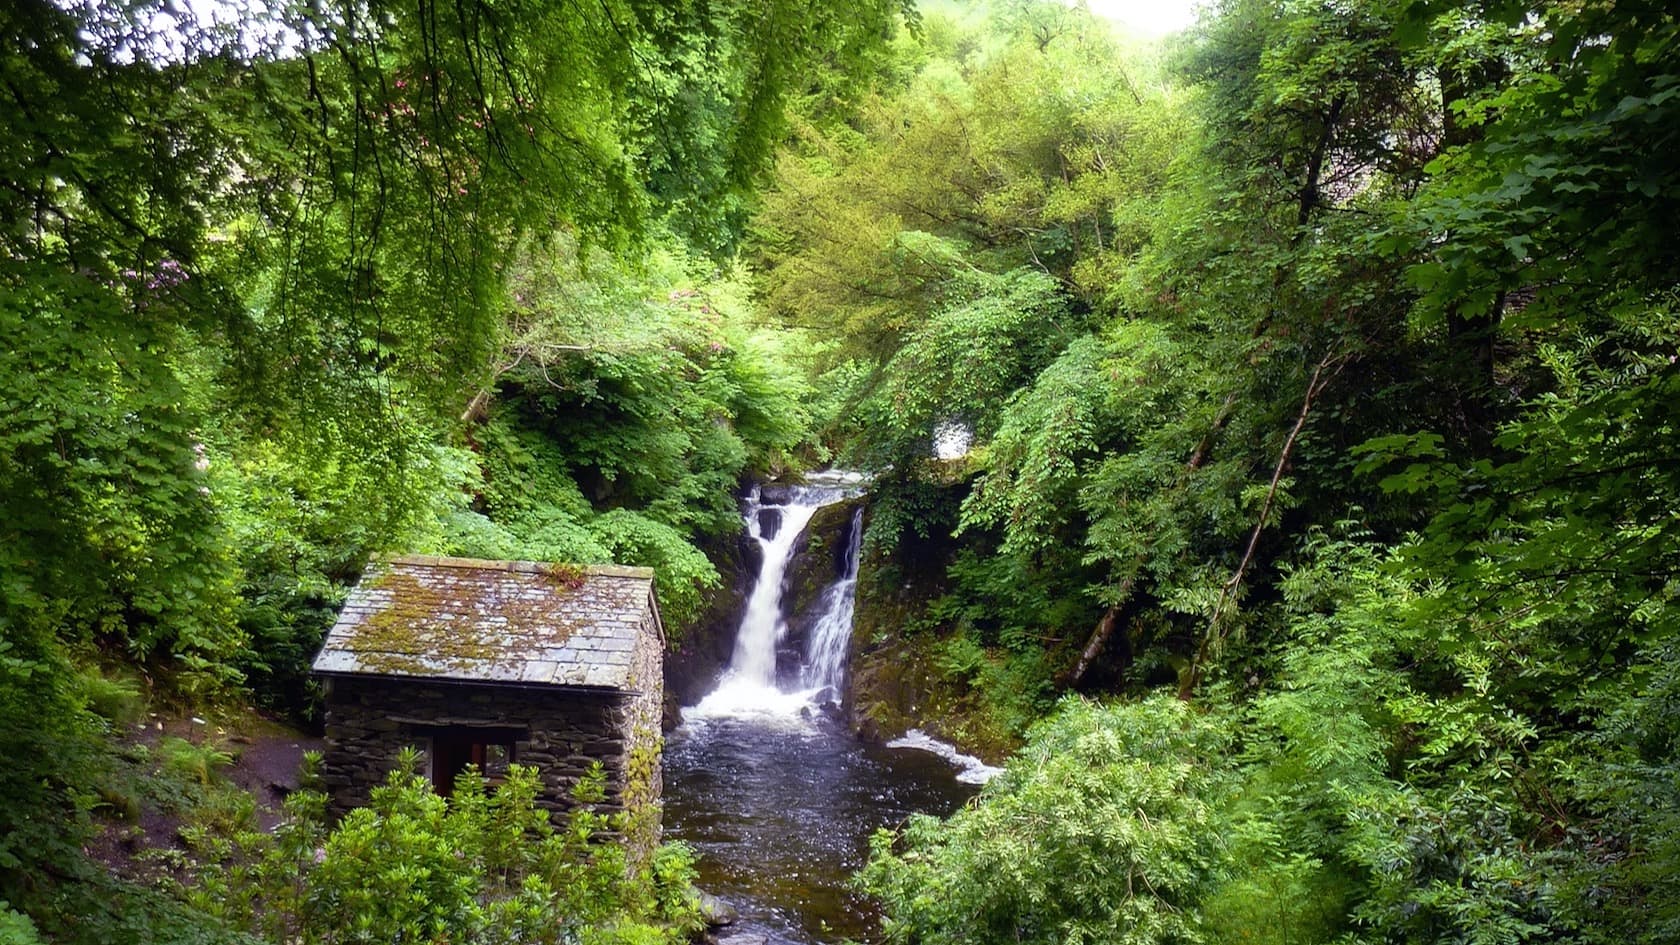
(516, 622)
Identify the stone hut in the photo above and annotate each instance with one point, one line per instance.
(493, 663)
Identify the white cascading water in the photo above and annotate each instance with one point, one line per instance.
(825, 655)
(775, 793)
(748, 688)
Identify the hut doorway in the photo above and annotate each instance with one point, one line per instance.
(453, 749)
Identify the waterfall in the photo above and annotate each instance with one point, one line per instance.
(774, 792)
(776, 528)
(825, 654)
(749, 684)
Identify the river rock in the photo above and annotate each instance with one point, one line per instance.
(777, 493)
(715, 912)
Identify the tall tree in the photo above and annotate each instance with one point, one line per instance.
(230, 233)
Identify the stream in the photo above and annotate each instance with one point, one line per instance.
(763, 778)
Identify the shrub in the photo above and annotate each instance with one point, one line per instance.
(198, 763)
(479, 868)
(15, 928)
(1101, 829)
(117, 701)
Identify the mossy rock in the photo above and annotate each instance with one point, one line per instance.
(895, 679)
(898, 685)
(819, 559)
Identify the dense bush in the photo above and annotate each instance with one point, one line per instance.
(1348, 414)
(261, 287)
(484, 867)
(1103, 829)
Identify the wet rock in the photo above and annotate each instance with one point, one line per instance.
(818, 561)
(896, 682)
(716, 912)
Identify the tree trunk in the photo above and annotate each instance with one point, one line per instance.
(1103, 632)
(1110, 619)
(1307, 197)
(1215, 631)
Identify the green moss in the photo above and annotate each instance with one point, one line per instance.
(564, 577)
(407, 637)
(903, 676)
(900, 685)
(641, 824)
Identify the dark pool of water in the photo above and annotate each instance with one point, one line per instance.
(782, 817)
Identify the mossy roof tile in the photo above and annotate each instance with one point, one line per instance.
(492, 621)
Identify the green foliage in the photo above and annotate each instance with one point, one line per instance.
(330, 261)
(481, 867)
(676, 901)
(102, 505)
(1365, 433)
(1620, 866)
(627, 406)
(198, 762)
(1570, 172)
(257, 268)
(116, 700)
(1001, 153)
(1330, 372)
(303, 517)
(1101, 829)
(992, 334)
(98, 908)
(256, 261)
(1089, 421)
(61, 774)
(55, 756)
(16, 929)
(1276, 895)
(637, 539)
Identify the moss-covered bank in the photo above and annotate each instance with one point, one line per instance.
(901, 674)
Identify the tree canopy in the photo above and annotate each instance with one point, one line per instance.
(1355, 442)
(283, 285)
(1315, 543)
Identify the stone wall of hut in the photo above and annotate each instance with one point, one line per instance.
(643, 714)
(369, 720)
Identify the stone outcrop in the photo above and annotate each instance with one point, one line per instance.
(895, 680)
(819, 559)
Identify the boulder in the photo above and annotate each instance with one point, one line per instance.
(715, 912)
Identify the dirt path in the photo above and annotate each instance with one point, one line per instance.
(268, 767)
(267, 760)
